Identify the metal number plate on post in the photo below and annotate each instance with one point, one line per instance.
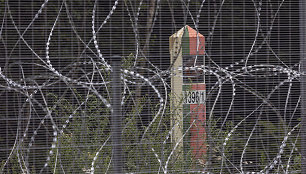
(194, 97)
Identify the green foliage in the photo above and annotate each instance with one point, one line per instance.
(90, 129)
(12, 167)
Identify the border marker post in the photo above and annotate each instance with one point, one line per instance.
(187, 49)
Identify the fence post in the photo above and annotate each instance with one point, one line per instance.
(116, 117)
(303, 82)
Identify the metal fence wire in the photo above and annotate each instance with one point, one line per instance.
(152, 86)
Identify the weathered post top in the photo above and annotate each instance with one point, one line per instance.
(191, 41)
